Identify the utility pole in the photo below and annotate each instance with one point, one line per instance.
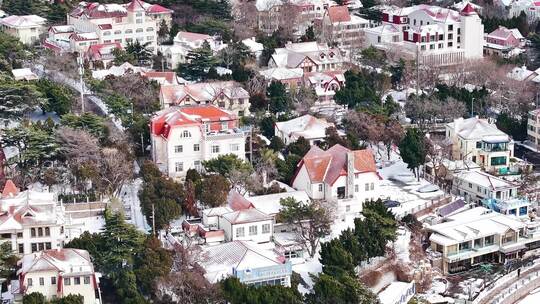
(80, 62)
(472, 107)
(153, 221)
(142, 144)
(162, 68)
(417, 69)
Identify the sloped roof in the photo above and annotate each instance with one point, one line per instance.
(246, 216)
(306, 126)
(468, 10)
(66, 260)
(202, 91)
(327, 166)
(96, 51)
(238, 202)
(23, 21)
(476, 128)
(10, 190)
(504, 33)
(339, 14)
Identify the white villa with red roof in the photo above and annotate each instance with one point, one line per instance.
(342, 28)
(183, 137)
(311, 128)
(57, 273)
(441, 36)
(101, 55)
(503, 42)
(30, 220)
(228, 95)
(94, 23)
(339, 175)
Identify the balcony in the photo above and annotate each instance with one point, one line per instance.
(495, 146)
(228, 134)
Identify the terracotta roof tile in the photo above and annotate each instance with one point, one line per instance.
(10, 190)
(339, 14)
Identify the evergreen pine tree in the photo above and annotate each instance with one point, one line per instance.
(413, 150)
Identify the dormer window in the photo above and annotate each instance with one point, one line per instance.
(322, 55)
(331, 55)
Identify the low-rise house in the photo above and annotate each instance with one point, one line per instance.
(183, 137)
(476, 186)
(309, 56)
(515, 206)
(325, 84)
(58, 38)
(486, 238)
(227, 95)
(524, 74)
(255, 48)
(185, 42)
(164, 78)
(26, 28)
(57, 273)
(504, 42)
(482, 142)
(31, 221)
(339, 175)
(24, 74)
(101, 55)
(343, 29)
(291, 78)
(118, 70)
(309, 127)
(252, 264)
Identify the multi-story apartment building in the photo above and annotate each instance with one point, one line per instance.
(480, 141)
(533, 128)
(309, 56)
(26, 28)
(56, 273)
(95, 23)
(487, 238)
(31, 221)
(438, 35)
(228, 95)
(183, 137)
(343, 29)
(338, 175)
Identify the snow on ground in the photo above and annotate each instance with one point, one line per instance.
(305, 267)
(93, 224)
(132, 205)
(532, 298)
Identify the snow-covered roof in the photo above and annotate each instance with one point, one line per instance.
(476, 128)
(24, 74)
(217, 211)
(120, 70)
(306, 126)
(68, 261)
(282, 73)
(271, 203)
(293, 54)
(252, 45)
(461, 5)
(473, 227)
(483, 179)
(23, 21)
(265, 5)
(222, 260)
(395, 291)
(243, 216)
(203, 91)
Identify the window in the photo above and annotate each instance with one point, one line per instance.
(470, 185)
(450, 36)
(478, 145)
(477, 243)
(48, 245)
(253, 230)
(450, 44)
(441, 37)
(138, 14)
(40, 231)
(450, 27)
(138, 21)
(348, 208)
(149, 38)
(118, 40)
(179, 167)
(186, 133)
(47, 231)
(129, 31)
(19, 234)
(320, 187)
(34, 247)
(367, 187)
(464, 246)
(240, 232)
(117, 32)
(356, 188)
(265, 228)
(372, 186)
(29, 282)
(77, 280)
(150, 29)
(86, 280)
(106, 41)
(196, 147)
(21, 248)
(107, 33)
(53, 280)
(41, 281)
(215, 149)
(498, 161)
(432, 46)
(178, 149)
(235, 147)
(129, 39)
(197, 165)
(67, 281)
(82, 44)
(139, 30)
(224, 125)
(489, 240)
(33, 232)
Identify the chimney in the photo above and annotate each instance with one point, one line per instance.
(350, 174)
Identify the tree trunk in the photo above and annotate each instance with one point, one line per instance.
(2, 172)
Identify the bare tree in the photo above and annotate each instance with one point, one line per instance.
(245, 19)
(304, 98)
(115, 169)
(256, 85)
(392, 134)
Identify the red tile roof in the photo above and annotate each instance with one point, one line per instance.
(339, 14)
(169, 76)
(327, 166)
(237, 202)
(468, 10)
(135, 5)
(10, 190)
(157, 9)
(97, 50)
(105, 26)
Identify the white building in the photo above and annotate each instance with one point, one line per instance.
(343, 29)
(184, 42)
(251, 263)
(26, 28)
(309, 56)
(476, 186)
(255, 48)
(480, 141)
(441, 36)
(486, 238)
(31, 221)
(227, 95)
(95, 23)
(338, 175)
(183, 137)
(309, 127)
(533, 128)
(57, 273)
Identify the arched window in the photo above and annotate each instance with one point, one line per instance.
(47, 231)
(33, 232)
(40, 231)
